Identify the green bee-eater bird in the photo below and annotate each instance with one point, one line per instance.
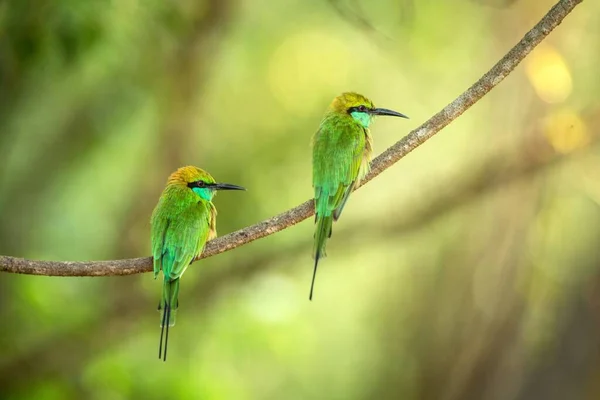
(341, 154)
(182, 222)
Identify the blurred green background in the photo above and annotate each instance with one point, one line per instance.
(469, 270)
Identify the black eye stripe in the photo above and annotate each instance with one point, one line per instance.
(359, 109)
(198, 184)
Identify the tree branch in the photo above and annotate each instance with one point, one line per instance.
(490, 175)
(291, 217)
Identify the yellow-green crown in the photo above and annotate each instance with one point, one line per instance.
(348, 100)
(189, 174)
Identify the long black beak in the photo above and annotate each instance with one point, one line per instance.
(385, 111)
(227, 186)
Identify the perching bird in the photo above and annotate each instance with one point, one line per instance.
(182, 222)
(341, 154)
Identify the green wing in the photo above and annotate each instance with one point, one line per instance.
(178, 236)
(338, 149)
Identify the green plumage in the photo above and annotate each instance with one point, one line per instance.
(342, 150)
(339, 148)
(182, 222)
(180, 227)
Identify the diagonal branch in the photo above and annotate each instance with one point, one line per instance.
(291, 217)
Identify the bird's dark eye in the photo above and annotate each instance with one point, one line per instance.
(362, 109)
(196, 184)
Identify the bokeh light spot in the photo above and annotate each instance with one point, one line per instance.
(566, 131)
(306, 63)
(549, 74)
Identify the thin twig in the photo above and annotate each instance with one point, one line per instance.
(291, 217)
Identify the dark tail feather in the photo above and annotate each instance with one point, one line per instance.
(312, 284)
(322, 233)
(169, 312)
(164, 326)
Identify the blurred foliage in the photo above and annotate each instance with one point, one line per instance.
(470, 270)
